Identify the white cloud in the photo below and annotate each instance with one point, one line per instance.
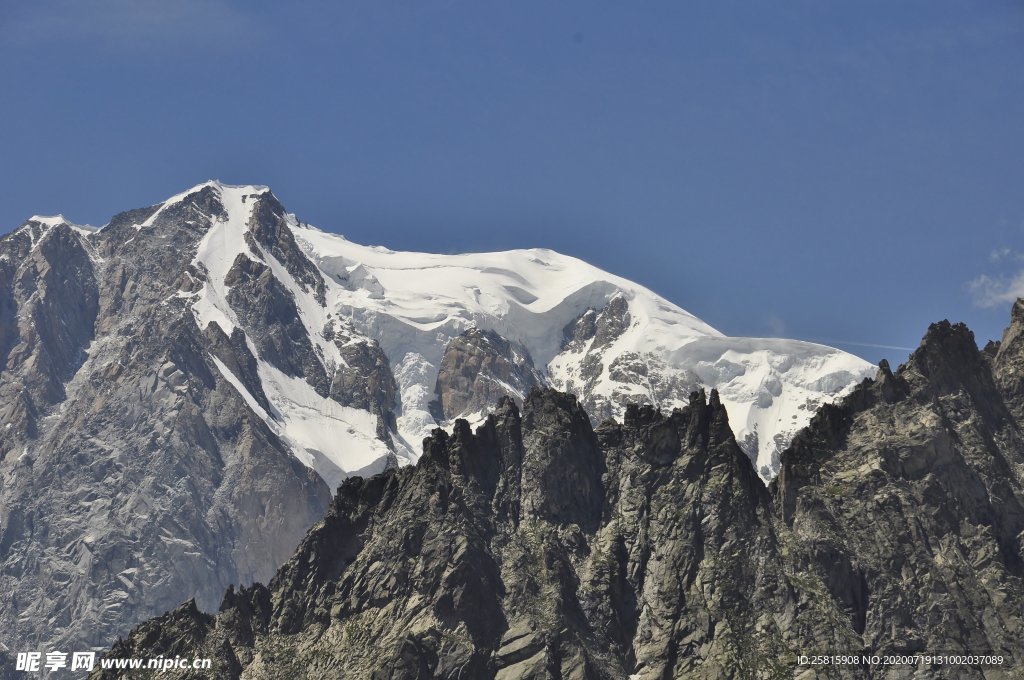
(851, 343)
(999, 254)
(776, 326)
(991, 291)
(1004, 283)
(128, 23)
(1004, 255)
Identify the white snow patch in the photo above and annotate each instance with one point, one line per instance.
(334, 440)
(48, 220)
(412, 374)
(217, 252)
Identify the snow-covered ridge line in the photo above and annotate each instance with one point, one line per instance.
(601, 336)
(38, 226)
(49, 220)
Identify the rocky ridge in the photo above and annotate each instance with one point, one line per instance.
(540, 547)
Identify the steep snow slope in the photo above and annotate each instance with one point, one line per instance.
(333, 439)
(603, 337)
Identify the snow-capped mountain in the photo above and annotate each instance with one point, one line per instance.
(581, 329)
(181, 389)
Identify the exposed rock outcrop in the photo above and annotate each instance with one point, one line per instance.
(364, 379)
(266, 307)
(632, 376)
(480, 367)
(533, 546)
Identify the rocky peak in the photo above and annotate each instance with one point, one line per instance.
(649, 548)
(133, 471)
(948, 359)
(562, 465)
(205, 199)
(1008, 360)
(48, 308)
(892, 488)
(269, 229)
(954, 369)
(478, 368)
(192, 363)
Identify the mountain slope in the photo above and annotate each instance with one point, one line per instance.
(181, 389)
(132, 471)
(538, 547)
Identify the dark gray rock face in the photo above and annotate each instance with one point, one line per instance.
(602, 327)
(132, 473)
(269, 231)
(48, 305)
(589, 335)
(265, 306)
(365, 380)
(562, 467)
(478, 368)
(538, 547)
(906, 503)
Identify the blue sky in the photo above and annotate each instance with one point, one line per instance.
(837, 171)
